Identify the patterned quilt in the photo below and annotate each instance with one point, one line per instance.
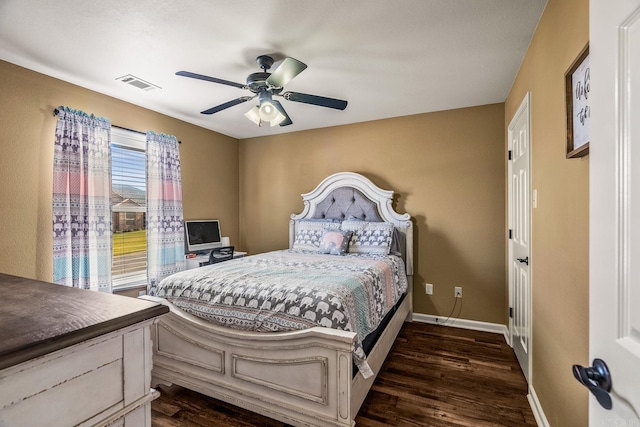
(291, 290)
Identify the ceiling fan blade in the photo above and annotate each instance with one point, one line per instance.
(227, 105)
(210, 79)
(287, 121)
(322, 101)
(288, 69)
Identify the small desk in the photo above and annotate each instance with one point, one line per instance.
(202, 260)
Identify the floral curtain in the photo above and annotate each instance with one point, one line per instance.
(165, 228)
(82, 201)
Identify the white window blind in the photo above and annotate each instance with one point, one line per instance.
(129, 208)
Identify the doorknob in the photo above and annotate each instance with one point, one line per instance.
(597, 379)
(524, 260)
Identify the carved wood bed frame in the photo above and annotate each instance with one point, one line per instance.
(301, 377)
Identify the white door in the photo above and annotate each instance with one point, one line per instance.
(520, 236)
(614, 277)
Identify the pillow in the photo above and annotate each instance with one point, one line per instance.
(397, 240)
(369, 237)
(309, 233)
(334, 242)
(397, 243)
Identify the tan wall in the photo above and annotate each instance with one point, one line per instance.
(560, 247)
(448, 171)
(27, 129)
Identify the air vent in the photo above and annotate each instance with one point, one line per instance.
(138, 82)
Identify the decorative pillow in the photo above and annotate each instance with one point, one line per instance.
(397, 243)
(369, 237)
(334, 242)
(397, 240)
(309, 233)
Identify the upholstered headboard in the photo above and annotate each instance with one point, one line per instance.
(347, 202)
(346, 195)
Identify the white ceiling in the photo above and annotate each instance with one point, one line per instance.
(386, 58)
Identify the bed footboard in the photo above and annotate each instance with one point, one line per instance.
(301, 377)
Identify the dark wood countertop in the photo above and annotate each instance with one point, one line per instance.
(37, 318)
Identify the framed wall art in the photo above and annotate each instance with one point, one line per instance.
(577, 86)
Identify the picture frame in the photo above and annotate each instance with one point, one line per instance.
(577, 86)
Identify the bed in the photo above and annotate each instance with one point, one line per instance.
(318, 375)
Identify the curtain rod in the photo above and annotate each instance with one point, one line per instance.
(56, 112)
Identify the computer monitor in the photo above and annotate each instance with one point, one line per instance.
(202, 235)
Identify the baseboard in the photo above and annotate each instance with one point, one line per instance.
(464, 324)
(538, 413)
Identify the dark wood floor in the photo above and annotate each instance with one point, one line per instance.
(434, 376)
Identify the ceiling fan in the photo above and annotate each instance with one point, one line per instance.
(265, 85)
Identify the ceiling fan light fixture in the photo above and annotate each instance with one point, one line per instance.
(278, 119)
(268, 111)
(254, 115)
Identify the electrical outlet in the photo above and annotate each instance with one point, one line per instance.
(428, 288)
(458, 291)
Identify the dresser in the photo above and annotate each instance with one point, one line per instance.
(71, 357)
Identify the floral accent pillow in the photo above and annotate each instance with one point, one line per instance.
(309, 233)
(369, 237)
(334, 242)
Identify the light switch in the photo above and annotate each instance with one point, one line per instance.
(428, 288)
(535, 198)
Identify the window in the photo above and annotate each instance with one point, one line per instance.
(129, 208)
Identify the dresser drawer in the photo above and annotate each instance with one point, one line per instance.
(79, 385)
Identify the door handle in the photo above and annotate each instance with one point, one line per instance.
(597, 379)
(524, 260)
